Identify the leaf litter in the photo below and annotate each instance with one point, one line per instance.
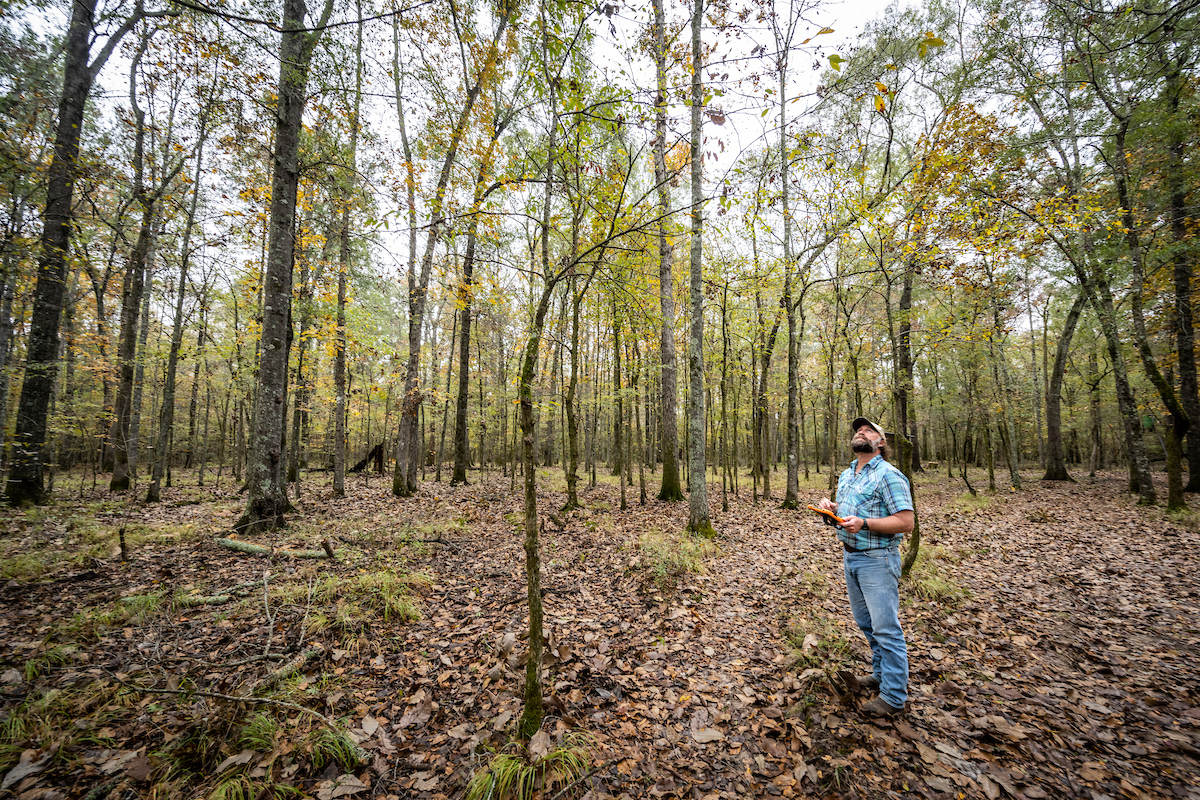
(1068, 670)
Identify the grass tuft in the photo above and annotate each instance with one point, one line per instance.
(665, 560)
(518, 774)
(819, 642)
(333, 747)
(928, 578)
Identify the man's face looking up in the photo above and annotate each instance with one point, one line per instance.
(865, 440)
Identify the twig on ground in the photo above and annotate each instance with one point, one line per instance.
(329, 721)
(278, 676)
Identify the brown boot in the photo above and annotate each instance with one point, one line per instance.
(878, 707)
(868, 682)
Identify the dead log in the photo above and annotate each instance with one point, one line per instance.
(260, 550)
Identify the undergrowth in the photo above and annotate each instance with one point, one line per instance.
(666, 560)
(819, 642)
(929, 579)
(523, 772)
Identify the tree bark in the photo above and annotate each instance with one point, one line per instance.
(699, 520)
(671, 489)
(347, 185)
(265, 469)
(1056, 466)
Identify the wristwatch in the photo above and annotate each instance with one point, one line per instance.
(865, 526)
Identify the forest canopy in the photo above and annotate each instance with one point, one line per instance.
(264, 242)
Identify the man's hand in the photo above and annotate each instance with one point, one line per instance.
(828, 505)
(852, 524)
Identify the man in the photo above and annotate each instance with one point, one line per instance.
(875, 503)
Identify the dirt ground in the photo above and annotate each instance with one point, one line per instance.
(1053, 639)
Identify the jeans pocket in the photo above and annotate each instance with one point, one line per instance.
(894, 563)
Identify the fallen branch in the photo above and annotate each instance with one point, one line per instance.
(259, 550)
(579, 780)
(194, 601)
(252, 659)
(329, 721)
(278, 676)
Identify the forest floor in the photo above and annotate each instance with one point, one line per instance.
(1054, 642)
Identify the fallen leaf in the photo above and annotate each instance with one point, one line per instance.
(540, 745)
(233, 761)
(116, 761)
(31, 764)
(707, 735)
(140, 769)
(344, 786)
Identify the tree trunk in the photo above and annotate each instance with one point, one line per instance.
(1181, 270)
(698, 513)
(267, 499)
(619, 408)
(131, 308)
(404, 482)
(1056, 466)
(346, 191)
(25, 479)
(572, 462)
(1177, 422)
(166, 415)
(671, 490)
(906, 418)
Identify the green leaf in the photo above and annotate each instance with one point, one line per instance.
(836, 62)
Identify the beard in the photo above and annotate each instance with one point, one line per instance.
(862, 446)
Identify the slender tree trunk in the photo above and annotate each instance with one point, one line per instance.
(572, 462)
(671, 489)
(166, 415)
(906, 420)
(462, 456)
(1056, 466)
(267, 499)
(131, 307)
(1177, 419)
(405, 480)
(618, 413)
(1182, 265)
(441, 450)
(347, 185)
(698, 514)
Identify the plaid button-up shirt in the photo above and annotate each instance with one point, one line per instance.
(876, 490)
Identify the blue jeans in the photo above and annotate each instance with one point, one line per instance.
(873, 583)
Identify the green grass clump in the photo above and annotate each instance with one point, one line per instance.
(666, 560)
(26, 567)
(518, 774)
(259, 732)
(330, 746)
(828, 648)
(967, 503)
(928, 578)
(347, 600)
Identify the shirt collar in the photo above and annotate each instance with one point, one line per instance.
(872, 463)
